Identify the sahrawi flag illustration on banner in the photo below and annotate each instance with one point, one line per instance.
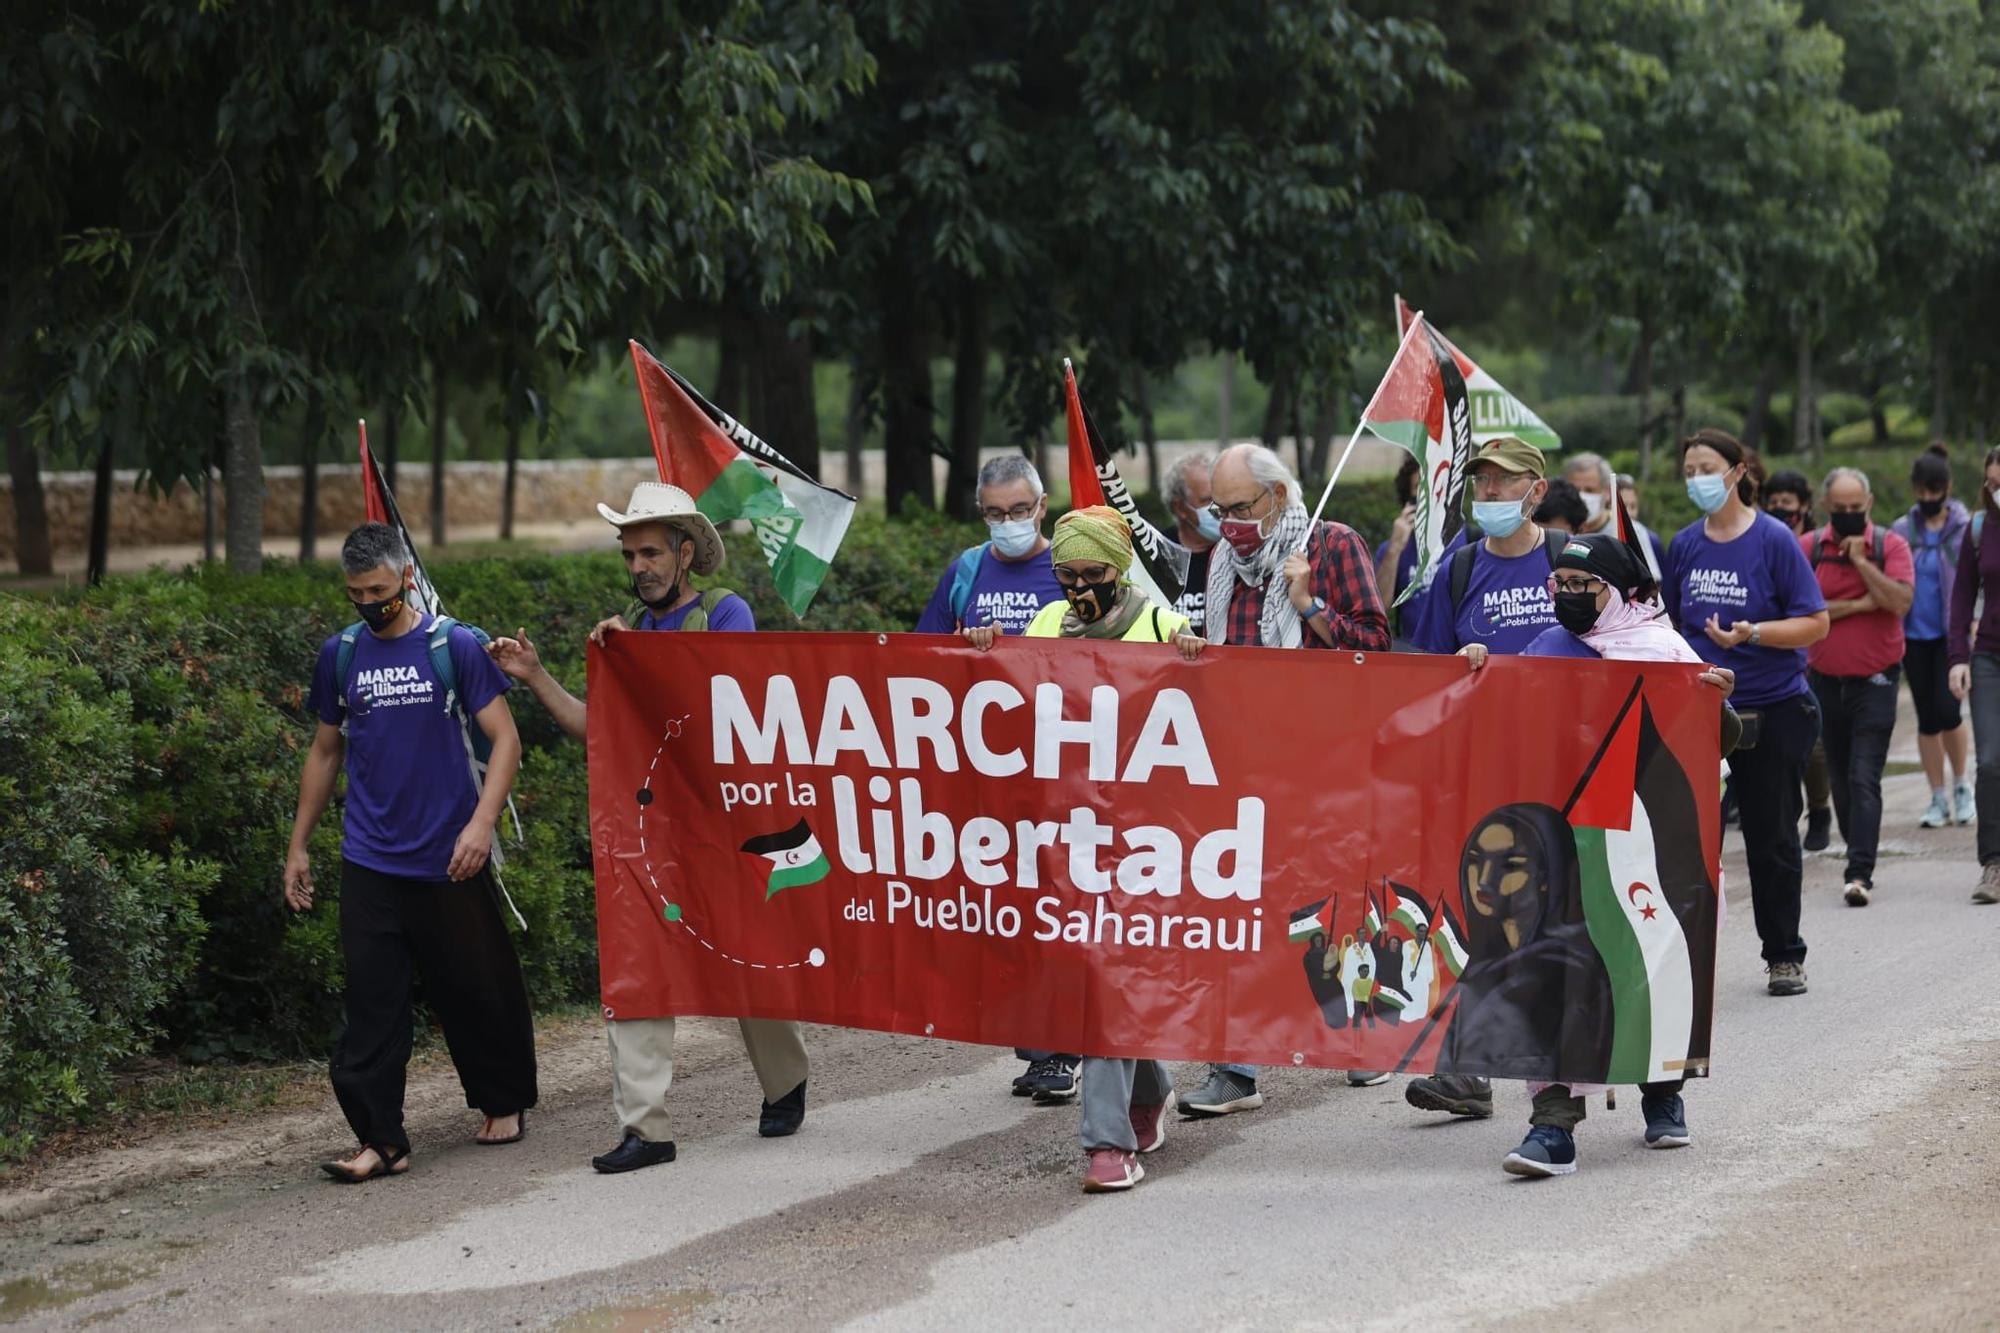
(379, 506)
(733, 474)
(1647, 899)
(795, 856)
(1162, 564)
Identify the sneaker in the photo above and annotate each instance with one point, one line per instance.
(1786, 979)
(1666, 1121)
(1819, 830)
(1024, 1082)
(1223, 1093)
(1057, 1082)
(1366, 1078)
(1939, 813)
(1149, 1124)
(1111, 1170)
(1547, 1151)
(1857, 892)
(1460, 1094)
(1963, 808)
(1989, 885)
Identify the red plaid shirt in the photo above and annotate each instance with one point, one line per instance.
(1343, 576)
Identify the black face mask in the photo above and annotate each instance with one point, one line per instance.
(662, 603)
(1848, 525)
(378, 616)
(1092, 601)
(1576, 611)
(1791, 518)
(1931, 508)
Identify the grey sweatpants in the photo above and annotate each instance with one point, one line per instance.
(1110, 1088)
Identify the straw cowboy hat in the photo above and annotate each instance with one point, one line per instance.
(657, 502)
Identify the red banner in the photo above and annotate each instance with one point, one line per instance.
(1346, 860)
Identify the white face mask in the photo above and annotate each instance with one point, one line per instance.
(1593, 504)
(1015, 537)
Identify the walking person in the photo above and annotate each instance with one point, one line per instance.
(665, 541)
(1125, 1102)
(1185, 489)
(417, 894)
(1935, 528)
(1595, 484)
(1865, 575)
(1788, 497)
(1740, 590)
(1265, 591)
(1975, 666)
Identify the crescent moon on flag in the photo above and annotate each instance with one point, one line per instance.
(1632, 893)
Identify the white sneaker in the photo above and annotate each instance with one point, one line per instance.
(1939, 813)
(1963, 810)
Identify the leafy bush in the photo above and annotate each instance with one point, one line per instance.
(1609, 423)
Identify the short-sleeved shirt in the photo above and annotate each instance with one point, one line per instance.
(409, 783)
(1864, 644)
(1506, 604)
(1005, 594)
(1342, 577)
(1555, 641)
(1760, 575)
(1927, 610)
(1194, 596)
(731, 613)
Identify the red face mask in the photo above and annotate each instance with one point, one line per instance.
(1246, 535)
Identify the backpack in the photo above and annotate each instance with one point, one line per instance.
(1460, 575)
(964, 571)
(697, 616)
(1880, 545)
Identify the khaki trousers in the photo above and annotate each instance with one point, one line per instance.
(642, 1067)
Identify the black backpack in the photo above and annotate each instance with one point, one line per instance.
(1459, 576)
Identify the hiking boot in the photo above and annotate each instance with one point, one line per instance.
(782, 1118)
(1819, 830)
(1057, 1080)
(1989, 885)
(1110, 1170)
(1666, 1121)
(1366, 1078)
(1460, 1094)
(1547, 1151)
(1149, 1124)
(1939, 813)
(1786, 979)
(1223, 1093)
(1857, 892)
(1964, 809)
(632, 1153)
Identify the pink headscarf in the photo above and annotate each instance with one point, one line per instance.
(1636, 632)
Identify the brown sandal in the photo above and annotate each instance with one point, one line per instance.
(388, 1162)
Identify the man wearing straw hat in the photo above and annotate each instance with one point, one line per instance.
(665, 539)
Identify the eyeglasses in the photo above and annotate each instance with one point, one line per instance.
(1069, 578)
(1239, 511)
(1014, 515)
(1586, 584)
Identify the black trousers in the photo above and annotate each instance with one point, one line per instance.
(452, 935)
(1766, 781)
(1858, 714)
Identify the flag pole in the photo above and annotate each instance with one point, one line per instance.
(1417, 322)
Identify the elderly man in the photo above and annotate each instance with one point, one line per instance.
(1185, 489)
(665, 540)
(1868, 577)
(1278, 581)
(1596, 483)
(1005, 580)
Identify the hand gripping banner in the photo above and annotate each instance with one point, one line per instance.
(1345, 860)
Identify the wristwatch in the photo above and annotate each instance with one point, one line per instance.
(1318, 608)
(1756, 632)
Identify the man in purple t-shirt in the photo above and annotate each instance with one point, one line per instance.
(665, 540)
(1003, 582)
(416, 892)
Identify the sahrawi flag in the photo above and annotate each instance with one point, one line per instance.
(1495, 412)
(1162, 565)
(378, 505)
(1420, 408)
(795, 857)
(1647, 899)
(733, 474)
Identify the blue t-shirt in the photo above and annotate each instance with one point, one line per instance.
(1761, 575)
(409, 782)
(1506, 604)
(1410, 613)
(1556, 641)
(1926, 618)
(1005, 593)
(731, 613)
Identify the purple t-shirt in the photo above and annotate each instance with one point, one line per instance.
(1005, 593)
(1506, 604)
(731, 613)
(1556, 641)
(1761, 575)
(409, 783)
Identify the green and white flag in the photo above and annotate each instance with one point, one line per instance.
(734, 475)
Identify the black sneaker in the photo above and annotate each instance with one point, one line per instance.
(632, 1153)
(782, 1118)
(1819, 830)
(1547, 1151)
(1460, 1094)
(1024, 1082)
(1666, 1121)
(1060, 1082)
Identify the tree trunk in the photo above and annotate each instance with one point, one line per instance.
(735, 354)
(1324, 426)
(1677, 415)
(208, 508)
(908, 411)
(440, 431)
(1149, 435)
(1278, 409)
(507, 484)
(309, 481)
(1878, 415)
(787, 407)
(1940, 380)
(857, 420)
(243, 480)
(1803, 435)
(1225, 400)
(1758, 419)
(1038, 452)
(1642, 384)
(33, 553)
(968, 405)
(100, 515)
(392, 440)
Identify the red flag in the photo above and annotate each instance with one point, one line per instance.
(1603, 798)
(371, 485)
(1162, 565)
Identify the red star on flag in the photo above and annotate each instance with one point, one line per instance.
(1649, 911)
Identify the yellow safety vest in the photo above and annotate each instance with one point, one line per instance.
(1156, 624)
